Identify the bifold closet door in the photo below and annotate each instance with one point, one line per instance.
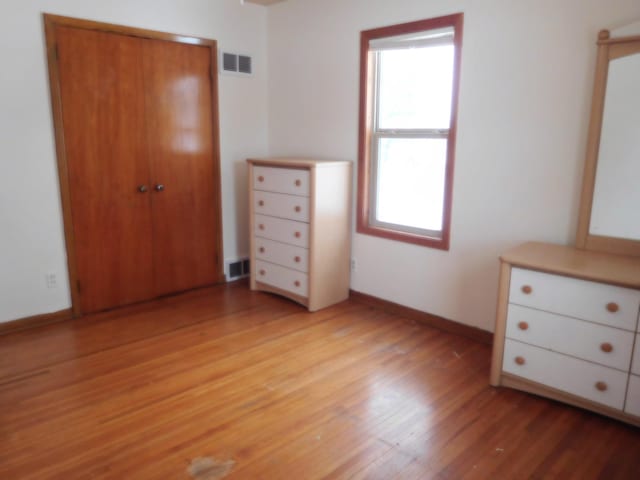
(180, 135)
(140, 145)
(103, 115)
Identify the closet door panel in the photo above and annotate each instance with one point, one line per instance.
(180, 133)
(105, 148)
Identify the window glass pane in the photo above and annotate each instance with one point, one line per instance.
(415, 87)
(410, 182)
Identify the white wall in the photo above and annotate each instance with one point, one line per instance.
(31, 234)
(527, 70)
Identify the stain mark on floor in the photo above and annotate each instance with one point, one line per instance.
(208, 468)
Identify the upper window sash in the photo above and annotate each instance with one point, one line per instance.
(411, 133)
(390, 67)
(429, 38)
(440, 37)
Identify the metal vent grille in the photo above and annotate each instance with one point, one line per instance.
(237, 269)
(233, 63)
(229, 62)
(244, 64)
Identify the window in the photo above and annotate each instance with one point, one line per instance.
(408, 100)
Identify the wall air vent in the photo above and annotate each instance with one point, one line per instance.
(244, 64)
(235, 64)
(237, 269)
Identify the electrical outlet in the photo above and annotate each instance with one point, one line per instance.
(354, 265)
(51, 280)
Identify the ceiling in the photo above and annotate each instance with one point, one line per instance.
(264, 2)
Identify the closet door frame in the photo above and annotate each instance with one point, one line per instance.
(50, 23)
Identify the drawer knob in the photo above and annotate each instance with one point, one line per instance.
(601, 386)
(526, 289)
(298, 183)
(298, 209)
(612, 307)
(261, 249)
(261, 178)
(297, 234)
(261, 226)
(523, 326)
(520, 360)
(297, 283)
(263, 273)
(606, 347)
(261, 203)
(297, 259)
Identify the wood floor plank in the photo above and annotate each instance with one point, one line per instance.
(356, 412)
(312, 395)
(163, 395)
(241, 376)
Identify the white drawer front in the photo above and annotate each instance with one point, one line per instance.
(633, 396)
(281, 230)
(566, 373)
(281, 205)
(282, 254)
(281, 180)
(576, 298)
(635, 365)
(281, 277)
(605, 345)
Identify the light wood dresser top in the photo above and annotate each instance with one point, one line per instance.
(601, 267)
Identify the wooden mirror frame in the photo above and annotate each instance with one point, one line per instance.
(608, 49)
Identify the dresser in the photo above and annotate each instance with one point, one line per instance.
(300, 229)
(567, 327)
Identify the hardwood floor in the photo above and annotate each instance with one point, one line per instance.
(224, 379)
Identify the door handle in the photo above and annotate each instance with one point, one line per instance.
(159, 187)
(142, 188)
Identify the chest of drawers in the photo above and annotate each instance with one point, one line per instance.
(567, 328)
(300, 229)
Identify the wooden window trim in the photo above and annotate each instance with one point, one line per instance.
(365, 130)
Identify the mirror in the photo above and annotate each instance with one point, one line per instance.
(610, 208)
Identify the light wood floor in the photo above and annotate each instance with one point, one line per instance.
(272, 392)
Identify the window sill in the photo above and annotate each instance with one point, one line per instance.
(399, 236)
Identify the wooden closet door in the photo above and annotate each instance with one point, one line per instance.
(180, 129)
(101, 85)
